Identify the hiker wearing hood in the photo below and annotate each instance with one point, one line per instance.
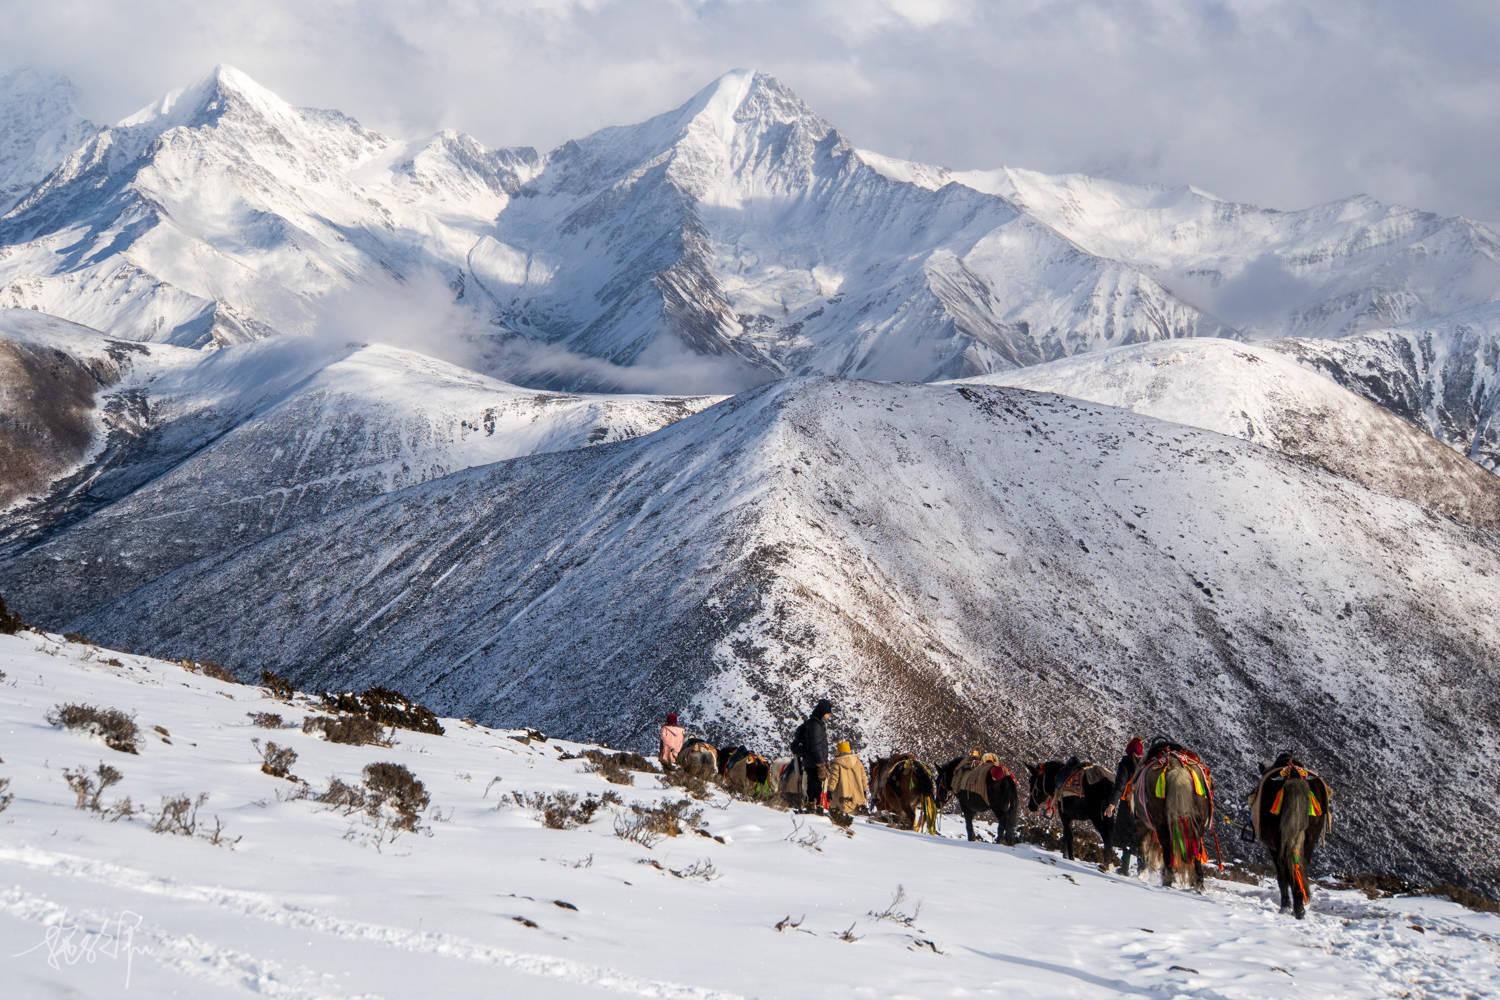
(848, 789)
(672, 736)
(810, 746)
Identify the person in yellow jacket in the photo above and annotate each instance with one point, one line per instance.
(847, 788)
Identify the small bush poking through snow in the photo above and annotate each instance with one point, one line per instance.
(89, 787)
(209, 668)
(353, 730)
(395, 786)
(6, 797)
(178, 815)
(647, 825)
(695, 786)
(276, 685)
(275, 759)
(117, 729)
(614, 768)
(267, 720)
(10, 623)
(560, 810)
(343, 796)
(385, 707)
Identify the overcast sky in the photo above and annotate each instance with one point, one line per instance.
(1279, 103)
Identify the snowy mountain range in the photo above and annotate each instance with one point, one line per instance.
(739, 231)
(1206, 468)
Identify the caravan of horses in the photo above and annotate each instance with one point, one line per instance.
(1165, 809)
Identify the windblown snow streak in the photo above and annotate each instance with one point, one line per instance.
(951, 564)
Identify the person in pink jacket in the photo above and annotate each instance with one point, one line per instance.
(671, 740)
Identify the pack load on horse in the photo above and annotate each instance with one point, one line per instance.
(788, 778)
(699, 758)
(848, 791)
(980, 782)
(1173, 798)
(1290, 810)
(906, 788)
(744, 770)
(1073, 791)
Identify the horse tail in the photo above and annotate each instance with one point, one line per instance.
(1295, 800)
(1182, 826)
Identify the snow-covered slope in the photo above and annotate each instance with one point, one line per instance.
(951, 563)
(484, 900)
(1442, 376)
(204, 453)
(1261, 395)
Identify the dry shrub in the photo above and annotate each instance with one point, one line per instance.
(343, 796)
(89, 787)
(395, 786)
(695, 786)
(116, 728)
(6, 797)
(77, 638)
(219, 672)
(276, 685)
(178, 815)
(352, 730)
(276, 760)
(268, 720)
(560, 810)
(646, 825)
(386, 707)
(614, 768)
(10, 623)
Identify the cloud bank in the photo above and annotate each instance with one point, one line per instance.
(1283, 104)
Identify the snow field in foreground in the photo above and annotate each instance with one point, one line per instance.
(306, 905)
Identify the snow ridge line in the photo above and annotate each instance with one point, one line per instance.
(259, 907)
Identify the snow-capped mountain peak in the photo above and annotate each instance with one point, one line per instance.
(38, 127)
(224, 91)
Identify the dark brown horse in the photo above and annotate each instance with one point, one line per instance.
(1173, 798)
(1290, 809)
(1084, 793)
(1001, 796)
(905, 787)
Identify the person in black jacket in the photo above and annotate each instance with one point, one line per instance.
(1122, 832)
(810, 747)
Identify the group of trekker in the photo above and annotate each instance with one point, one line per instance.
(833, 782)
(838, 782)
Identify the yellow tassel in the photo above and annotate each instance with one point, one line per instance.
(1276, 806)
(1197, 782)
(1313, 809)
(1161, 784)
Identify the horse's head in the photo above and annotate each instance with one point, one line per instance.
(1037, 781)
